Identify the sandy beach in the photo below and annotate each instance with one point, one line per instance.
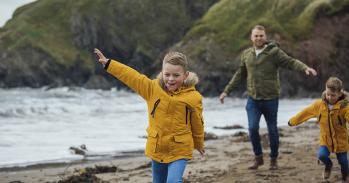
(226, 161)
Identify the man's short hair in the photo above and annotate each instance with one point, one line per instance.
(259, 27)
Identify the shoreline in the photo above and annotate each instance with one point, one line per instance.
(66, 162)
(103, 157)
(226, 161)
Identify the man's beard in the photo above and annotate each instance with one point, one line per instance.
(259, 45)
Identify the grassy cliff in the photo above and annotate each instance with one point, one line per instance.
(50, 42)
(45, 26)
(229, 21)
(215, 41)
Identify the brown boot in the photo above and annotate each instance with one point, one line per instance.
(258, 161)
(273, 164)
(327, 172)
(344, 178)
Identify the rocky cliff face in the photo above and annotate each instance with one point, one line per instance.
(325, 50)
(50, 42)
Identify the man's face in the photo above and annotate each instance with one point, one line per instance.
(258, 38)
(332, 96)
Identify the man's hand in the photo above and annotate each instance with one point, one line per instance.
(222, 96)
(310, 71)
(101, 58)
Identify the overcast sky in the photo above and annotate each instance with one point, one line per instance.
(7, 7)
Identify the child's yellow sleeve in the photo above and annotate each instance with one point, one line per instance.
(346, 113)
(309, 112)
(132, 78)
(197, 126)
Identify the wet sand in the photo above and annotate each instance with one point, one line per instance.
(226, 161)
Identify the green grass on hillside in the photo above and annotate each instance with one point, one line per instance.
(45, 25)
(229, 22)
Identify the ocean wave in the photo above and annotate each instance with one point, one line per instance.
(23, 111)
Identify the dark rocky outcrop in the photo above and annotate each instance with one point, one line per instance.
(50, 42)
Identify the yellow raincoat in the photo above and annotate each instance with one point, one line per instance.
(176, 125)
(333, 123)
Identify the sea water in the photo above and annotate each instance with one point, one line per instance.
(39, 125)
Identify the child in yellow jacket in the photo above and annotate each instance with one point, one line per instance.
(175, 123)
(332, 113)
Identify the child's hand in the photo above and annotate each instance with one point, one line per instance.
(101, 58)
(202, 152)
(289, 123)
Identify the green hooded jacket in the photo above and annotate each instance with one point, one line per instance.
(262, 72)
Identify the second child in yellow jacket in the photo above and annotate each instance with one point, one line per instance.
(332, 113)
(333, 122)
(175, 119)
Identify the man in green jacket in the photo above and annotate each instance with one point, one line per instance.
(260, 67)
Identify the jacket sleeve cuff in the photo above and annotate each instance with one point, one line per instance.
(289, 123)
(303, 66)
(107, 64)
(199, 143)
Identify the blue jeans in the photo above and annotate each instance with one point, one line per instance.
(341, 157)
(168, 172)
(269, 109)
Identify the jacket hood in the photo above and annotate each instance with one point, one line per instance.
(271, 44)
(344, 99)
(191, 80)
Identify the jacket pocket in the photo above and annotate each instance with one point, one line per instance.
(152, 141)
(182, 145)
(270, 88)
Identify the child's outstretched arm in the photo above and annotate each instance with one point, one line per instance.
(132, 78)
(309, 112)
(197, 128)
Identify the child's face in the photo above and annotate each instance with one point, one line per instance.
(332, 96)
(174, 76)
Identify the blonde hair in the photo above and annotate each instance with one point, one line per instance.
(334, 84)
(176, 58)
(259, 27)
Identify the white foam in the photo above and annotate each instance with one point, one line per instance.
(41, 124)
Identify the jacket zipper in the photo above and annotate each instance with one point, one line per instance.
(329, 125)
(154, 108)
(187, 111)
(340, 121)
(186, 115)
(190, 116)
